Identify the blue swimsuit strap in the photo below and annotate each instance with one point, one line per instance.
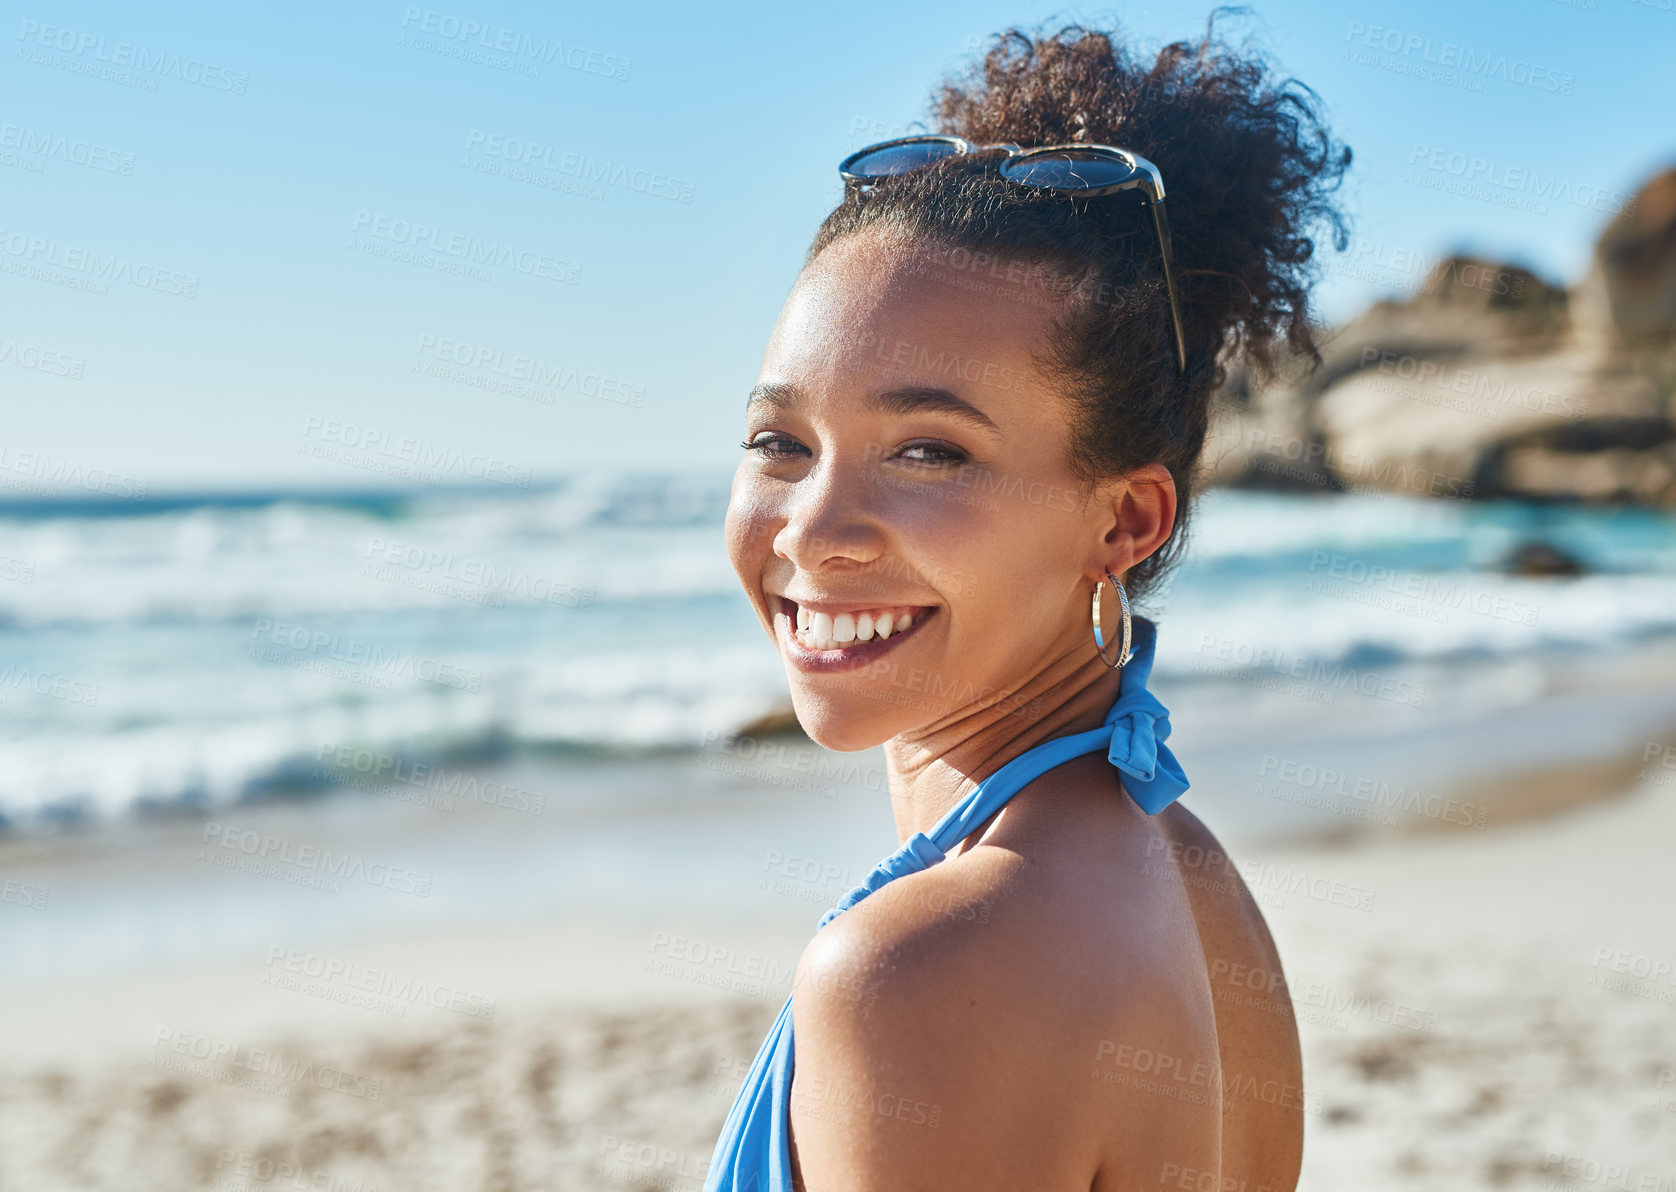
(1132, 738)
(753, 1153)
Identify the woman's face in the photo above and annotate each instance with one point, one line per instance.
(908, 497)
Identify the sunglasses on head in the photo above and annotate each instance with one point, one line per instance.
(1088, 170)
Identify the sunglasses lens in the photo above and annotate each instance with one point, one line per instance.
(899, 159)
(1067, 169)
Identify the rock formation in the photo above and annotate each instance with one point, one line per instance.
(1487, 382)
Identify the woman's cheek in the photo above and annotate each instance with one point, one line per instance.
(743, 527)
(939, 507)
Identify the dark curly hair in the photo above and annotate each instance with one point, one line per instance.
(1249, 170)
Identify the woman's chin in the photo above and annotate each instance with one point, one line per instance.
(841, 725)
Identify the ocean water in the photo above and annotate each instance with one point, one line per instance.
(202, 651)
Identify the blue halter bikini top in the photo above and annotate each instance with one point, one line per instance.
(753, 1153)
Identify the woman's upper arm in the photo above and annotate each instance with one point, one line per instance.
(890, 1089)
(932, 1053)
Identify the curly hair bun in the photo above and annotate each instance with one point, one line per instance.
(1248, 163)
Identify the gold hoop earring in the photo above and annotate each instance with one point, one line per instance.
(1099, 637)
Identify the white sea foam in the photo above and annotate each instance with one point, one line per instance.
(208, 651)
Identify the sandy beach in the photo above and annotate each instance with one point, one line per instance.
(1484, 983)
(417, 418)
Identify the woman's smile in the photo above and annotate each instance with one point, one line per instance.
(829, 636)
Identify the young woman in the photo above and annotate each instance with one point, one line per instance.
(972, 444)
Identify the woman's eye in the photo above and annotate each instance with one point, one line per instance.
(932, 453)
(773, 445)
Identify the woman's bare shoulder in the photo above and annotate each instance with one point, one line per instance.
(990, 996)
(1068, 905)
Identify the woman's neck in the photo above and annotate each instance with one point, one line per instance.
(931, 771)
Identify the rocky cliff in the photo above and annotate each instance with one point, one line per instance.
(1487, 382)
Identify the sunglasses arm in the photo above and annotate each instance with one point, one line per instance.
(1161, 222)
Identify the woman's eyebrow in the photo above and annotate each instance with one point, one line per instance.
(907, 399)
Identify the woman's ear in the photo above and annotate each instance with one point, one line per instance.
(1137, 511)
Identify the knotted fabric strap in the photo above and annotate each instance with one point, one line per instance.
(916, 853)
(753, 1153)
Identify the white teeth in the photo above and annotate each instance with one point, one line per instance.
(831, 631)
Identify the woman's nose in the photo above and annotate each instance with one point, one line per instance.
(828, 520)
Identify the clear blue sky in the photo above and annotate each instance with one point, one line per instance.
(270, 139)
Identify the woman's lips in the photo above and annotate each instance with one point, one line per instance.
(827, 639)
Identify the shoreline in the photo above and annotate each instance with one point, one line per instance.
(1546, 1049)
(554, 997)
(695, 832)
